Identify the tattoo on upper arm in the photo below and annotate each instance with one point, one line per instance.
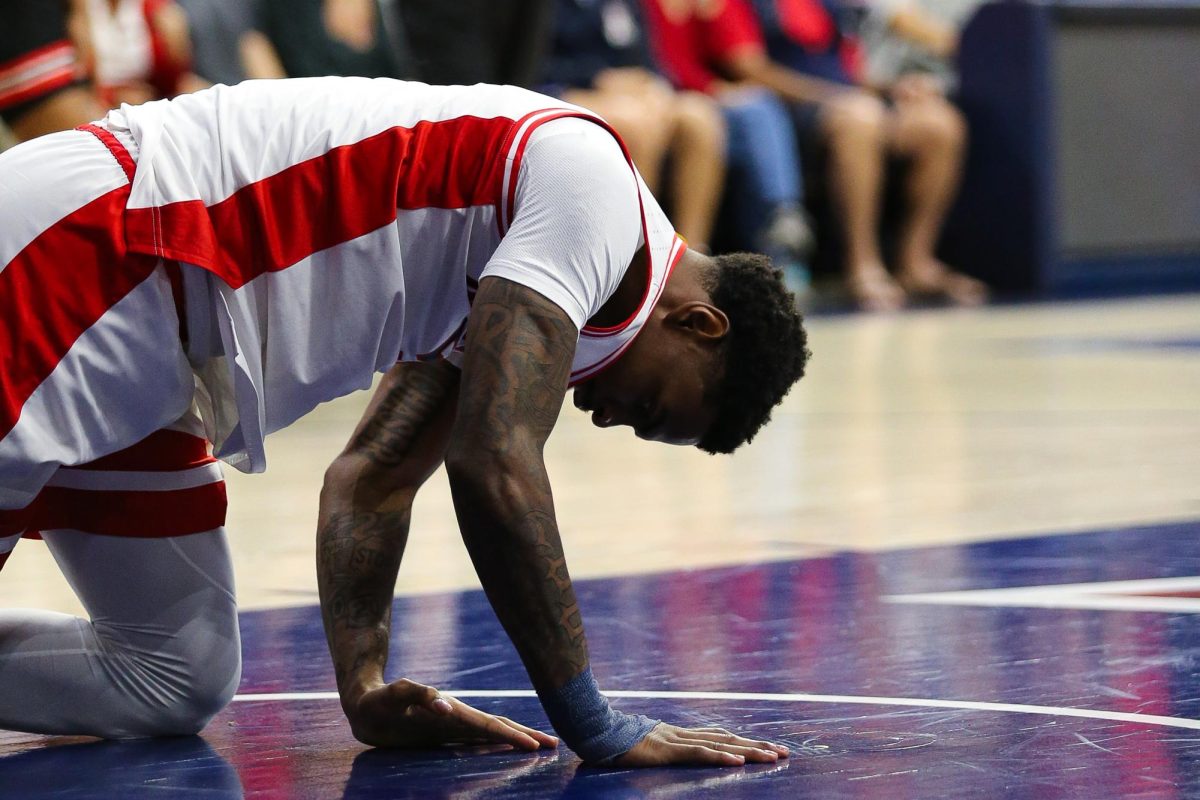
(519, 352)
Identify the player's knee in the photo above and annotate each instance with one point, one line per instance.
(209, 693)
(172, 685)
(190, 702)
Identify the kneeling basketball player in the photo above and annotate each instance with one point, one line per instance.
(188, 276)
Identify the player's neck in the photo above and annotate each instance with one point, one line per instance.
(628, 296)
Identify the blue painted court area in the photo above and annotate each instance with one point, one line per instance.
(879, 694)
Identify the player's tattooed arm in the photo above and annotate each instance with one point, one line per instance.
(366, 505)
(519, 348)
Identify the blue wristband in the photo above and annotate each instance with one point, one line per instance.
(596, 731)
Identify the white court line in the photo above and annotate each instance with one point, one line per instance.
(1134, 595)
(841, 699)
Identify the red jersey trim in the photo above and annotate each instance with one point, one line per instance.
(114, 146)
(595, 369)
(514, 170)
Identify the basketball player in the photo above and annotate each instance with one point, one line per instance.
(204, 271)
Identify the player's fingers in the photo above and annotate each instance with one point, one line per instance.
(679, 753)
(544, 739)
(724, 741)
(491, 727)
(757, 755)
(727, 737)
(410, 693)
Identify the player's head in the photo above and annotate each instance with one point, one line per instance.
(722, 347)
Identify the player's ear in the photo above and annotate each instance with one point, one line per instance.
(701, 319)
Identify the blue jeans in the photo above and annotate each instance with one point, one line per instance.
(764, 160)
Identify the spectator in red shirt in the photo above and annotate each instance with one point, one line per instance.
(806, 60)
(689, 39)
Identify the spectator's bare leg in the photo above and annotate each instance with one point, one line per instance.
(854, 126)
(932, 134)
(60, 112)
(698, 152)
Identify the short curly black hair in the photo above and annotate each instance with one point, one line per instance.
(764, 353)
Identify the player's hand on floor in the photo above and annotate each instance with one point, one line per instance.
(669, 744)
(409, 714)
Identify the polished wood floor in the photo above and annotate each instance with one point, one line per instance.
(922, 428)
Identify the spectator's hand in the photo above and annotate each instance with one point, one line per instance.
(409, 714)
(669, 744)
(915, 86)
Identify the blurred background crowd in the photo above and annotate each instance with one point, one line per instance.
(823, 132)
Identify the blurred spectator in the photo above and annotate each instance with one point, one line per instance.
(691, 40)
(42, 83)
(806, 59)
(310, 38)
(599, 60)
(224, 39)
(921, 36)
(140, 50)
(478, 41)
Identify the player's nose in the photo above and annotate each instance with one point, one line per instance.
(603, 417)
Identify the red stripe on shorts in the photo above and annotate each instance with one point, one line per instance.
(16, 520)
(345, 193)
(57, 288)
(143, 515)
(161, 451)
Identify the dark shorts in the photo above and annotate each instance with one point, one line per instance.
(37, 59)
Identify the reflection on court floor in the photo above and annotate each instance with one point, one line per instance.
(876, 698)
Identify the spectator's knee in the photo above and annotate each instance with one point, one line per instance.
(856, 116)
(699, 119)
(937, 125)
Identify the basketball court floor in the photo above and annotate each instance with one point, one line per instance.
(963, 562)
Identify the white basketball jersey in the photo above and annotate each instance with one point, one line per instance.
(343, 224)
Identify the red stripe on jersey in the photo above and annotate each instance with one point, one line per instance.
(161, 451)
(58, 287)
(142, 515)
(350, 191)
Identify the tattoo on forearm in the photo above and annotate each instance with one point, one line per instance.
(519, 352)
(358, 558)
(364, 519)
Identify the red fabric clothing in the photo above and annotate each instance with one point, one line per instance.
(690, 43)
(807, 23)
